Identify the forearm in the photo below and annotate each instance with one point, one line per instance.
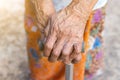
(43, 9)
(82, 7)
(90, 3)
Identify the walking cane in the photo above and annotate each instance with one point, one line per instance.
(69, 71)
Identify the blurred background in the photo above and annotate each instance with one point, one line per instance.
(13, 57)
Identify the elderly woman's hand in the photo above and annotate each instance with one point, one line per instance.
(65, 33)
(43, 9)
(65, 37)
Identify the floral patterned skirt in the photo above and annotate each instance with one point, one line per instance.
(95, 52)
(92, 61)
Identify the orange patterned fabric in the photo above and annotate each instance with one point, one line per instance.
(40, 68)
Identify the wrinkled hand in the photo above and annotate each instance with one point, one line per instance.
(64, 36)
(43, 9)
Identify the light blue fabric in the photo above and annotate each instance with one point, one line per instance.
(100, 4)
(97, 43)
(59, 4)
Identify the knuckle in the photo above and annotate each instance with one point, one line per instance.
(54, 54)
(78, 51)
(78, 58)
(47, 46)
(65, 53)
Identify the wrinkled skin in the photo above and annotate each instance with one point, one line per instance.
(64, 33)
(43, 10)
(65, 36)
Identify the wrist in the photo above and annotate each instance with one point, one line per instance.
(43, 9)
(43, 6)
(90, 3)
(48, 7)
(82, 7)
(80, 11)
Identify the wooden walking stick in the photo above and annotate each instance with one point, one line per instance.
(69, 71)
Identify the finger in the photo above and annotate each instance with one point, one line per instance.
(67, 49)
(76, 50)
(57, 49)
(44, 33)
(77, 59)
(49, 44)
(46, 30)
(66, 61)
(72, 55)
